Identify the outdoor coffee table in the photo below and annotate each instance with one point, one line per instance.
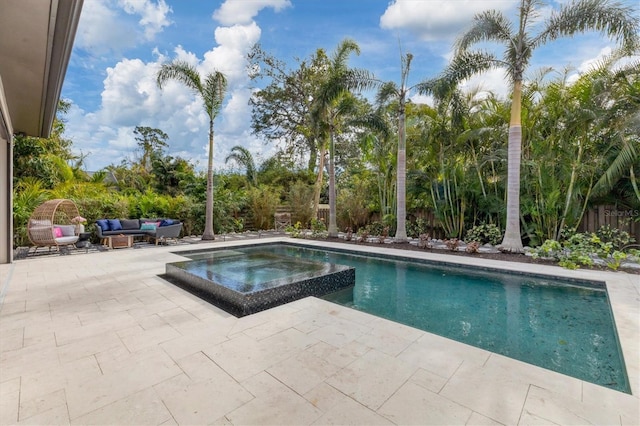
(120, 241)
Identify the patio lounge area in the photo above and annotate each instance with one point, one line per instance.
(99, 338)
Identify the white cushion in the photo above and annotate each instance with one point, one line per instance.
(66, 240)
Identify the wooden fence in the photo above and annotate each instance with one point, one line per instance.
(624, 220)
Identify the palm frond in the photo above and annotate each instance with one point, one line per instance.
(619, 166)
(386, 92)
(341, 54)
(215, 88)
(466, 64)
(374, 121)
(610, 18)
(180, 71)
(360, 79)
(490, 25)
(244, 158)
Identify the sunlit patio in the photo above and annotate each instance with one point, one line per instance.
(100, 338)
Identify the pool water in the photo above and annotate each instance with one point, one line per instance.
(563, 326)
(252, 272)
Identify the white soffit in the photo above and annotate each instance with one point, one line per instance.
(36, 37)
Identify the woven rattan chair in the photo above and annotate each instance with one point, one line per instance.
(50, 224)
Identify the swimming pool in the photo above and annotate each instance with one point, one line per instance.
(562, 325)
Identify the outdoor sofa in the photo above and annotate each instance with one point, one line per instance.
(156, 229)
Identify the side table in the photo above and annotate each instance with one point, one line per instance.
(83, 240)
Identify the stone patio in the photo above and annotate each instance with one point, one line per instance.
(99, 338)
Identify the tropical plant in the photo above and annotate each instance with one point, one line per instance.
(484, 233)
(211, 88)
(611, 18)
(243, 157)
(27, 195)
(332, 102)
(262, 203)
(300, 199)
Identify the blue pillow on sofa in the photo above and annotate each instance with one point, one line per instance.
(166, 222)
(103, 224)
(114, 224)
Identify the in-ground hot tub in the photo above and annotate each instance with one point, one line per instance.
(244, 283)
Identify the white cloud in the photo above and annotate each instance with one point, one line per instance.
(422, 99)
(440, 20)
(101, 30)
(230, 56)
(153, 16)
(105, 24)
(129, 92)
(243, 11)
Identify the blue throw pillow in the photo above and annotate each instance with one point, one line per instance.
(103, 224)
(114, 224)
(166, 222)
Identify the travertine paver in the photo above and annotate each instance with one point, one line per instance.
(99, 338)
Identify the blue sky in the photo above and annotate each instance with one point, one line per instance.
(120, 45)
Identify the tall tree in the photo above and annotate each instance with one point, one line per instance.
(150, 141)
(387, 92)
(608, 17)
(399, 93)
(281, 111)
(212, 89)
(332, 101)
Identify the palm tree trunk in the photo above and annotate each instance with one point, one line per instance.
(318, 186)
(512, 241)
(401, 208)
(569, 197)
(208, 225)
(333, 228)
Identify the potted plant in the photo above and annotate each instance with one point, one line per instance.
(79, 221)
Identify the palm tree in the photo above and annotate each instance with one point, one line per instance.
(243, 157)
(609, 17)
(212, 90)
(391, 90)
(331, 102)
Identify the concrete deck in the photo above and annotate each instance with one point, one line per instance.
(99, 338)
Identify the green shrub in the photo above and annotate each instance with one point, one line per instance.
(375, 228)
(417, 228)
(579, 250)
(300, 199)
(618, 239)
(351, 210)
(262, 203)
(318, 227)
(296, 230)
(484, 233)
